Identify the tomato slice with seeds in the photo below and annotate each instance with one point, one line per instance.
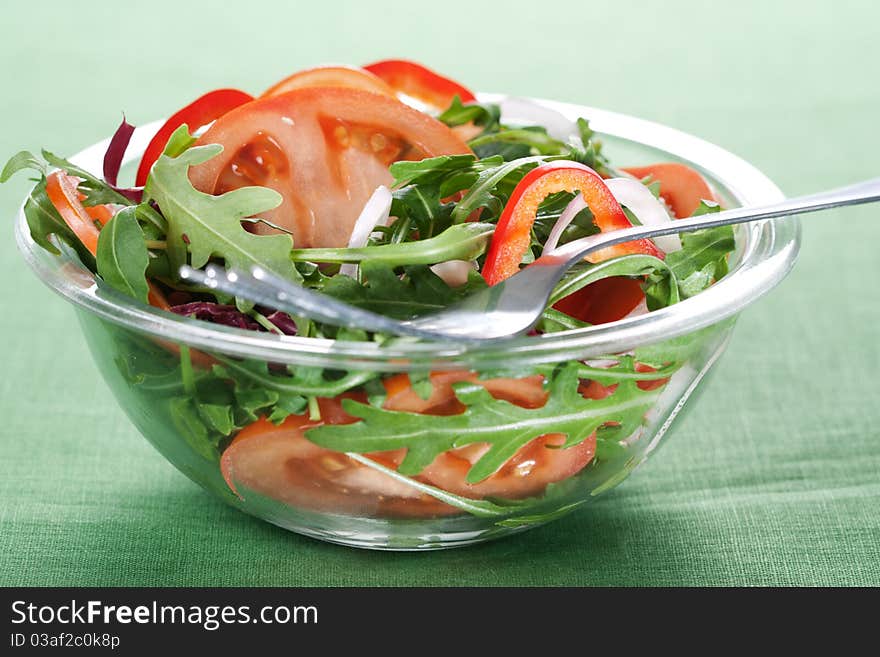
(324, 149)
(198, 113)
(280, 462)
(332, 76)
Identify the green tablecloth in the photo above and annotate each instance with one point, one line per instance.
(774, 476)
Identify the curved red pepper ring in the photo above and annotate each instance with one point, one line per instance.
(198, 113)
(420, 82)
(513, 234)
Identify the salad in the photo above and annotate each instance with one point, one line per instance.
(392, 188)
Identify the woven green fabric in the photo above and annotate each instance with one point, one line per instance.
(772, 478)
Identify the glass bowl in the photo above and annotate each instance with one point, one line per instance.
(164, 371)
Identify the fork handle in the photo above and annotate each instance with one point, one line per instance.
(858, 193)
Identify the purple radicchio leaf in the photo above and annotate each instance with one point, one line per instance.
(113, 161)
(283, 321)
(216, 313)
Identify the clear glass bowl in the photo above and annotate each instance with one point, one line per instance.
(344, 499)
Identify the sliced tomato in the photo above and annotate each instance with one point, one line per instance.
(527, 392)
(606, 300)
(157, 298)
(513, 234)
(62, 192)
(420, 82)
(279, 462)
(332, 411)
(526, 474)
(100, 213)
(594, 390)
(680, 186)
(649, 384)
(198, 113)
(325, 150)
(332, 76)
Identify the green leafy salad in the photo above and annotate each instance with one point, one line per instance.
(331, 181)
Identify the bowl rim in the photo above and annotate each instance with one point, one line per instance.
(769, 254)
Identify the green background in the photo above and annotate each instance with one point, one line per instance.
(773, 477)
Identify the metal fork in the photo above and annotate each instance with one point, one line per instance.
(510, 307)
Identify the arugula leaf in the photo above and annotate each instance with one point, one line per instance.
(210, 226)
(184, 414)
(218, 417)
(591, 155)
(462, 242)
(482, 193)
(419, 207)
(42, 218)
(97, 191)
(419, 291)
(527, 141)
(43, 221)
(502, 425)
(421, 186)
(432, 169)
(485, 115)
(553, 321)
(122, 256)
(635, 265)
(701, 261)
(179, 141)
(683, 348)
(19, 162)
(302, 382)
(208, 406)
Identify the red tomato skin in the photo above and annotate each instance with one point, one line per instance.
(331, 76)
(606, 300)
(324, 149)
(279, 462)
(681, 187)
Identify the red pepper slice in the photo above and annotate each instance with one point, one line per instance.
(201, 111)
(421, 83)
(680, 186)
(512, 235)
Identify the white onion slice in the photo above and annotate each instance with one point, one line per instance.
(527, 112)
(574, 206)
(454, 272)
(375, 213)
(635, 196)
(639, 199)
(639, 310)
(603, 363)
